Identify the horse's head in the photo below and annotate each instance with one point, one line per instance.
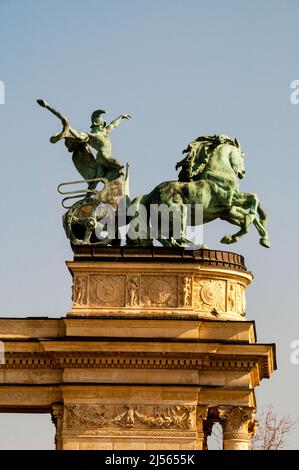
(236, 160)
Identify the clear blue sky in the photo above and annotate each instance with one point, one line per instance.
(182, 69)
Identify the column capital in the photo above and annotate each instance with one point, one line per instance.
(57, 412)
(57, 419)
(238, 425)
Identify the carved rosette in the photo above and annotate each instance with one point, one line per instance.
(107, 290)
(238, 423)
(83, 416)
(209, 295)
(159, 291)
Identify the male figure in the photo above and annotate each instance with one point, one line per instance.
(79, 143)
(133, 287)
(186, 290)
(106, 166)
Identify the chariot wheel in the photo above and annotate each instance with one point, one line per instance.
(82, 223)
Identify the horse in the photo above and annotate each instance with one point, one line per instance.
(215, 187)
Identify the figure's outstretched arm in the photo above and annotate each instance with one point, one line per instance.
(67, 131)
(116, 122)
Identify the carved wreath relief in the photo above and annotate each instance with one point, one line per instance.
(130, 416)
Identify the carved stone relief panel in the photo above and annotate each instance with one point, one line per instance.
(236, 298)
(107, 290)
(159, 291)
(240, 299)
(209, 295)
(133, 291)
(231, 297)
(79, 295)
(185, 291)
(82, 416)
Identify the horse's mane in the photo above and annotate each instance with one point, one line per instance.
(198, 154)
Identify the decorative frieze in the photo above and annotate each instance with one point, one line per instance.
(128, 360)
(181, 417)
(139, 292)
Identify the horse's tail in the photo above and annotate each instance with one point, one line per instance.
(262, 215)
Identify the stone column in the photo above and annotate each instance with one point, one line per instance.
(201, 417)
(238, 427)
(57, 419)
(207, 429)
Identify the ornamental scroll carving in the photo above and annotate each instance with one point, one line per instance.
(174, 417)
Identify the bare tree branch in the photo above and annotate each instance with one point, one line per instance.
(272, 432)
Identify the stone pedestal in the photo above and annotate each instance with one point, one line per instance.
(154, 350)
(158, 283)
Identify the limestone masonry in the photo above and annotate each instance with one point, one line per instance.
(155, 349)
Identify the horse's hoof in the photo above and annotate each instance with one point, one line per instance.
(227, 239)
(264, 241)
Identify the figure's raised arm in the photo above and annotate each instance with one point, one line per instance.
(67, 131)
(116, 122)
